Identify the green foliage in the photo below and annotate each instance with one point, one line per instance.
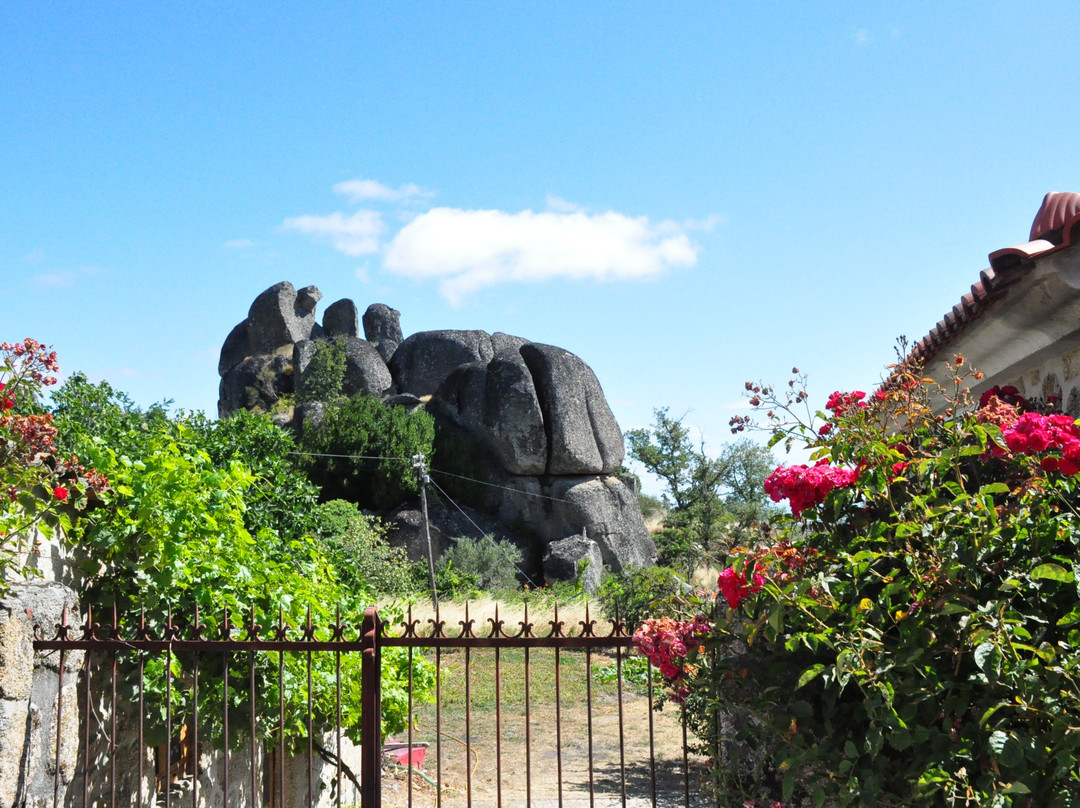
(915, 639)
(42, 488)
(637, 593)
(357, 546)
(651, 506)
(180, 528)
(474, 565)
(85, 411)
(716, 501)
(282, 497)
(379, 440)
(325, 372)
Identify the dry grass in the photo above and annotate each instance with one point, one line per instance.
(504, 743)
(482, 612)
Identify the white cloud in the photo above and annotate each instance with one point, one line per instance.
(238, 244)
(354, 235)
(471, 249)
(862, 37)
(560, 205)
(63, 278)
(373, 190)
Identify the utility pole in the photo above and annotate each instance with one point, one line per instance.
(418, 464)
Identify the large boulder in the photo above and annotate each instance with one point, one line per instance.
(365, 370)
(583, 436)
(608, 513)
(425, 360)
(280, 316)
(235, 350)
(256, 383)
(572, 559)
(341, 319)
(524, 430)
(497, 403)
(382, 328)
(601, 506)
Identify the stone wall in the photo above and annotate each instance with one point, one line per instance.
(29, 686)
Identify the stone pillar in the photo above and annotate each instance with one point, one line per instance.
(31, 688)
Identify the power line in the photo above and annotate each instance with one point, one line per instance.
(349, 457)
(435, 471)
(482, 533)
(502, 487)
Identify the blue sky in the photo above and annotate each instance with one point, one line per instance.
(685, 195)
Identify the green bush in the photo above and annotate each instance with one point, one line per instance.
(472, 565)
(362, 451)
(916, 641)
(186, 523)
(325, 373)
(356, 543)
(637, 593)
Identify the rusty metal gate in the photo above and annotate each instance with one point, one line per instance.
(126, 757)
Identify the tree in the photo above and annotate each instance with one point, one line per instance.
(211, 514)
(714, 501)
(362, 451)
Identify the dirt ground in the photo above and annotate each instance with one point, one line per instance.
(513, 773)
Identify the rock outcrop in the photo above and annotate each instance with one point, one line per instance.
(529, 421)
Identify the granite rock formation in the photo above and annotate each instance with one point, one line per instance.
(530, 420)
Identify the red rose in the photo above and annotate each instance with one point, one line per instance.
(60, 493)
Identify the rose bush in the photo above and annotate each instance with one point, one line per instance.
(40, 490)
(914, 636)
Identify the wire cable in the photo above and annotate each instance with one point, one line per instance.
(502, 487)
(482, 534)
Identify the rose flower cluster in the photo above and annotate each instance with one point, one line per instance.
(667, 641)
(806, 486)
(1034, 434)
(736, 588)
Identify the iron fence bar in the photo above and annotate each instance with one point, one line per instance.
(528, 725)
(498, 723)
(86, 728)
(558, 720)
(409, 771)
(652, 735)
(168, 722)
(142, 727)
(370, 715)
(112, 734)
(195, 733)
(337, 725)
(225, 723)
(622, 728)
(588, 716)
(438, 723)
(468, 725)
(310, 739)
(281, 632)
(685, 761)
(59, 719)
(251, 706)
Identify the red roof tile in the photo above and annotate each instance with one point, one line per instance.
(1056, 226)
(1057, 209)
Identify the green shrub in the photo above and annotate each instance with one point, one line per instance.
(379, 442)
(916, 641)
(478, 564)
(187, 523)
(637, 593)
(356, 543)
(325, 372)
